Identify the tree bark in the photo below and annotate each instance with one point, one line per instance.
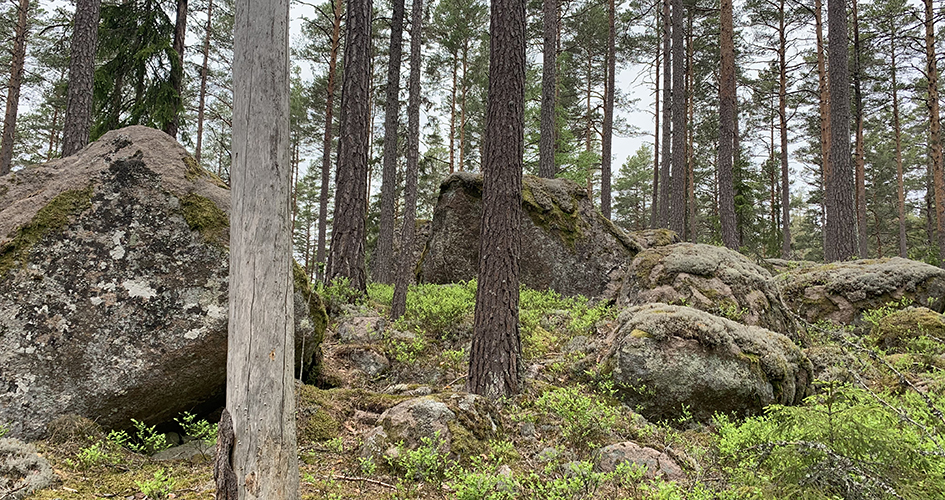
(935, 131)
(690, 234)
(897, 131)
(666, 160)
(405, 274)
(261, 339)
(824, 106)
(384, 255)
(727, 128)
(607, 135)
(495, 357)
(327, 138)
(177, 73)
(78, 119)
(655, 200)
(782, 117)
(348, 232)
(204, 70)
(862, 234)
(841, 221)
(13, 90)
(546, 144)
(677, 220)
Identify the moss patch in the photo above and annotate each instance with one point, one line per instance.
(321, 412)
(554, 220)
(905, 330)
(50, 219)
(205, 216)
(194, 171)
(316, 313)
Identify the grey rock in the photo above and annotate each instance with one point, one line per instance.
(368, 361)
(841, 291)
(658, 464)
(547, 454)
(567, 245)
(439, 417)
(113, 286)
(374, 443)
(527, 429)
(709, 278)
(360, 329)
(670, 360)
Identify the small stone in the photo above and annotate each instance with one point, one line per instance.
(527, 429)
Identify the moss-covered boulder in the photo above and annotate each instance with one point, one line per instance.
(709, 278)
(567, 245)
(673, 362)
(842, 291)
(462, 424)
(113, 286)
(650, 238)
(917, 330)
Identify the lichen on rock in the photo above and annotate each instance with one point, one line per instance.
(672, 360)
(117, 305)
(710, 278)
(842, 291)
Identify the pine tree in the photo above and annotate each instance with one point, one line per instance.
(346, 259)
(495, 357)
(78, 119)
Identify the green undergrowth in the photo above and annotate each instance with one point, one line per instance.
(547, 320)
(872, 430)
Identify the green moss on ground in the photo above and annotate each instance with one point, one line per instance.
(50, 219)
(203, 215)
(902, 331)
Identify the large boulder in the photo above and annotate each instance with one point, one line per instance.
(709, 278)
(672, 362)
(842, 291)
(113, 286)
(567, 245)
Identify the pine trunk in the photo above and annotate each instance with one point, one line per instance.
(727, 128)
(261, 346)
(204, 70)
(607, 134)
(841, 221)
(782, 116)
(546, 145)
(677, 216)
(935, 131)
(384, 255)
(495, 357)
(405, 273)
(346, 259)
(666, 159)
(327, 138)
(177, 72)
(78, 120)
(13, 90)
(655, 200)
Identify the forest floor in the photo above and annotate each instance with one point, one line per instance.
(873, 430)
